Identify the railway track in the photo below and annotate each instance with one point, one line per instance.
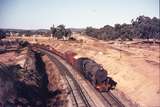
(79, 95)
(111, 99)
(3, 67)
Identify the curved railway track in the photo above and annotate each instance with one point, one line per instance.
(80, 99)
(111, 99)
(3, 67)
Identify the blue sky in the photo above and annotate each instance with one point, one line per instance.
(35, 14)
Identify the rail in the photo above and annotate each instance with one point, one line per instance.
(111, 99)
(79, 97)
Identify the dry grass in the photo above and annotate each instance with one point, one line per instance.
(55, 81)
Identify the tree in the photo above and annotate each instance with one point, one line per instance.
(53, 30)
(146, 28)
(60, 32)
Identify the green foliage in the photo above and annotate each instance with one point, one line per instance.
(146, 28)
(143, 28)
(60, 31)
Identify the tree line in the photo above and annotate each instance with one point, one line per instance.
(141, 28)
(20, 32)
(58, 32)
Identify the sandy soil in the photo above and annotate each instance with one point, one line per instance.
(8, 58)
(134, 67)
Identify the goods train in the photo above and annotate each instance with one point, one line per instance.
(91, 70)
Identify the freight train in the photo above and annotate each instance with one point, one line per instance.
(91, 70)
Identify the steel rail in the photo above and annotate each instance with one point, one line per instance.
(67, 73)
(111, 99)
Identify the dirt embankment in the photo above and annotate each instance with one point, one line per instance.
(29, 86)
(8, 58)
(56, 83)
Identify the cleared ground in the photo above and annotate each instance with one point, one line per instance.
(134, 66)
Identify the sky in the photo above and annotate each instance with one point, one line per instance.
(42, 14)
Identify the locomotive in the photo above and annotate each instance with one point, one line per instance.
(95, 73)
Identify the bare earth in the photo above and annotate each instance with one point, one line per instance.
(136, 69)
(7, 58)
